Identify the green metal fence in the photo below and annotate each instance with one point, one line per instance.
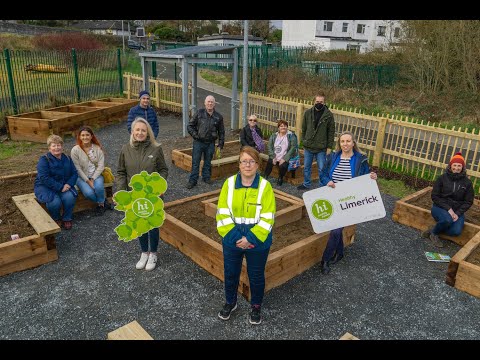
(262, 59)
(33, 80)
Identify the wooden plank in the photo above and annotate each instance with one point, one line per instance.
(348, 336)
(35, 214)
(29, 129)
(131, 331)
(460, 256)
(194, 197)
(204, 251)
(18, 176)
(15, 250)
(468, 278)
(29, 263)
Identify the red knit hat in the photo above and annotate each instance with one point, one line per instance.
(457, 158)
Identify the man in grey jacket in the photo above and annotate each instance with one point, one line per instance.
(318, 131)
(206, 126)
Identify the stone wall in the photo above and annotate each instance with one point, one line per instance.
(23, 29)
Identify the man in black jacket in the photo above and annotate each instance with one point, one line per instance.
(205, 127)
(452, 196)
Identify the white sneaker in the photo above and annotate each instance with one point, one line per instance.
(152, 262)
(142, 262)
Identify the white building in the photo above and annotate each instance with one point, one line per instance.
(356, 35)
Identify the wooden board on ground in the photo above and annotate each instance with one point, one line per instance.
(131, 331)
(348, 336)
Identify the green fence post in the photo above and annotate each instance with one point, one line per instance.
(119, 66)
(154, 63)
(75, 72)
(10, 81)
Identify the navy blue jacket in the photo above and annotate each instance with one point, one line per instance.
(358, 166)
(148, 114)
(52, 174)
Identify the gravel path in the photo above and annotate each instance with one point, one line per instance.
(383, 289)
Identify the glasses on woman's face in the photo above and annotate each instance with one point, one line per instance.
(248, 162)
(253, 120)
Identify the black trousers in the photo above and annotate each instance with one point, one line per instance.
(282, 168)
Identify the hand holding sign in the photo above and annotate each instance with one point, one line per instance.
(351, 202)
(142, 205)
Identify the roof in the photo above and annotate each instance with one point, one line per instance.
(229, 37)
(188, 51)
(103, 25)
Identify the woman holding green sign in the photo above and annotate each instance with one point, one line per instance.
(142, 153)
(345, 163)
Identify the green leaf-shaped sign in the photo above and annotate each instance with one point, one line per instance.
(142, 205)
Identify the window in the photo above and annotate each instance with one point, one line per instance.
(396, 32)
(381, 30)
(361, 29)
(327, 25)
(355, 48)
(345, 27)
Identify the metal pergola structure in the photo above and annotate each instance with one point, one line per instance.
(190, 56)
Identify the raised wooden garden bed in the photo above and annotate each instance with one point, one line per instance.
(32, 250)
(228, 164)
(414, 210)
(190, 228)
(37, 126)
(464, 268)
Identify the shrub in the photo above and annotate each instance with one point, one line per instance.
(67, 41)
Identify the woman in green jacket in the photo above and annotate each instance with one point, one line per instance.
(142, 153)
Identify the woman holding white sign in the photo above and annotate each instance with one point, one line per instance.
(142, 153)
(345, 163)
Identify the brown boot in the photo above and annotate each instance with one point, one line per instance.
(426, 233)
(436, 241)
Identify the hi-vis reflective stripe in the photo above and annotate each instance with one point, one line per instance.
(224, 222)
(231, 187)
(261, 188)
(223, 211)
(241, 220)
(267, 215)
(265, 225)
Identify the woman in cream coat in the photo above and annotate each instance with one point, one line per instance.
(89, 160)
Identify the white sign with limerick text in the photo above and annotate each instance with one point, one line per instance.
(351, 202)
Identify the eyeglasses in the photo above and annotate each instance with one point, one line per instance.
(248, 162)
(252, 120)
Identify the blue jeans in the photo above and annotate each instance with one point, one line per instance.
(96, 195)
(307, 162)
(445, 223)
(62, 198)
(334, 244)
(154, 237)
(232, 267)
(199, 148)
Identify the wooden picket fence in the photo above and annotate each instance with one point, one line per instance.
(164, 94)
(418, 148)
(410, 146)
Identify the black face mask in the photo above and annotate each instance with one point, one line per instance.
(319, 106)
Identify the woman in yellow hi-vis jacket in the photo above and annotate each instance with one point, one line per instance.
(245, 217)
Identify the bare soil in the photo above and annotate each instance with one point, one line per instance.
(425, 201)
(474, 257)
(283, 236)
(231, 149)
(12, 220)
